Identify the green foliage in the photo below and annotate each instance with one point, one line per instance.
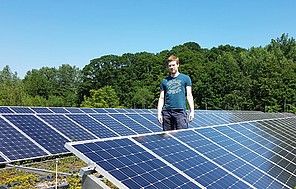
(103, 98)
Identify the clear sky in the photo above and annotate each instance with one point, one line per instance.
(37, 33)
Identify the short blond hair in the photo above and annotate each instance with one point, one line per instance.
(173, 58)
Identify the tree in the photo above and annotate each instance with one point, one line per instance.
(105, 97)
(143, 98)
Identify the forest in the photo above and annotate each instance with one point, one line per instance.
(223, 77)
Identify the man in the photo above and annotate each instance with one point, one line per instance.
(172, 102)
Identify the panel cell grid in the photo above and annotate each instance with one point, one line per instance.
(100, 110)
(74, 110)
(133, 166)
(147, 123)
(40, 132)
(67, 127)
(26, 110)
(15, 145)
(113, 124)
(5, 110)
(88, 110)
(92, 125)
(127, 121)
(42, 110)
(188, 161)
(256, 155)
(59, 110)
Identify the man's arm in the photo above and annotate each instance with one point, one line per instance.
(190, 102)
(160, 106)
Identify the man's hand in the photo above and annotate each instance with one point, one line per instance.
(191, 116)
(159, 118)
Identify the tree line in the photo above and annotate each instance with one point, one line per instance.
(223, 77)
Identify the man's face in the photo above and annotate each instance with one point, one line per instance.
(173, 67)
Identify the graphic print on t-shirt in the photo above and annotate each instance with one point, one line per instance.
(174, 86)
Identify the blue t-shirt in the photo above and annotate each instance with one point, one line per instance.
(174, 90)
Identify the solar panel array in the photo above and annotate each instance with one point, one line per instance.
(250, 154)
(220, 149)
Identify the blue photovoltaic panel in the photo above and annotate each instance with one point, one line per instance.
(15, 145)
(59, 110)
(22, 110)
(228, 117)
(146, 111)
(113, 124)
(74, 110)
(148, 124)
(88, 110)
(2, 160)
(130, 110)
(271, 135)
(41, 110)
(260, 177)
(152, 118)
(121, 111)
(5, 110)
(93, 126)
(127, 121)
(133, 166)
(67, 127)
(190, 162)
(111, 110)
(154, 111)
(100, 110)
(40, 132)
(139, 111)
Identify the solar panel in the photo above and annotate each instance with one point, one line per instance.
(5, 110)
(129, 165)
(88, 110)
(59, 110)
(131, 124)
(238, 155)
(221, 149)
(121, 110)
(94, 126)
(68, 127)
(42, 110)
(15, 146)
(147, 123)
(22, 110)
(2, 160)
(130, 110)
(113, 124)
(44, 135)
(74, 110)
(110, 110)
(100, 110)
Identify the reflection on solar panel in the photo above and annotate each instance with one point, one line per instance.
(249, 154)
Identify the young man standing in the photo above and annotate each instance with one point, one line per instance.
(172, 101)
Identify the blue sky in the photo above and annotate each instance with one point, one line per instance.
(37, 33)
